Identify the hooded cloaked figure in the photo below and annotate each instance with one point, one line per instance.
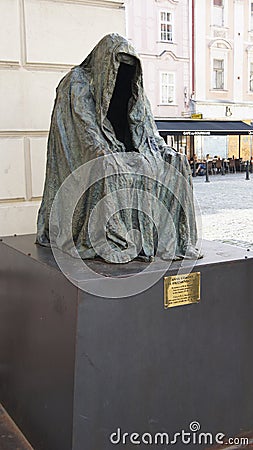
(101, 110)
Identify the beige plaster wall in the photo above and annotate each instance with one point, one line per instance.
(40, 40)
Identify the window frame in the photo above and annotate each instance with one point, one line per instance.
(167, 103)
(166, 11)
(217, 52)
(224, 8)
(250, 74)
(214, 73)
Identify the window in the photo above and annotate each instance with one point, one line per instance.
(218, 13)
(251, 77)
(166, 26)
(218, 74)
(220, 63)
(167, 88)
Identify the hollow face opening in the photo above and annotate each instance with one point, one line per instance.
(118, 108)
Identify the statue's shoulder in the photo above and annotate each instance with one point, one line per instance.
(75, 77)
(80, 76)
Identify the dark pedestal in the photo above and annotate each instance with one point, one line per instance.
(75, 367)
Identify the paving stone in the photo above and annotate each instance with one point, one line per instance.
(225, 208)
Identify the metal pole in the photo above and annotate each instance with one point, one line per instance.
(194, 168)
(207, 173)
(247, 170)
(251, 153)
(222, 167)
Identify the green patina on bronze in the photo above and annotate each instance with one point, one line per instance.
(101, 109)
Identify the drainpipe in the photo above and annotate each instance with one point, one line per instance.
(193, 46)
(192, 69)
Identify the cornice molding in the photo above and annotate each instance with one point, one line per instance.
(9, 65)
(51, 67)
(19, 201)
(19, 134)
(211, 102)
(222, 41)
(36, 66)
(172, 55)
(163, 55)
(112, 4)
(173, 2)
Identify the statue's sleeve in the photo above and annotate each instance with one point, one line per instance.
(85, 121)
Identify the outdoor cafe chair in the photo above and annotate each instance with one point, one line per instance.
(232, 165)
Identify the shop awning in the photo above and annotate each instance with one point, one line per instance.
(190, 127)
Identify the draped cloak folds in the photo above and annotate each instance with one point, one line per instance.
(101, 110)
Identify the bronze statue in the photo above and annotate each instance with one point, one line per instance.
(101, 109)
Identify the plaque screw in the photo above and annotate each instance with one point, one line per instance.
(28, 254)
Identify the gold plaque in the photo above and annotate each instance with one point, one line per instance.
(197, 116)
(181, 289)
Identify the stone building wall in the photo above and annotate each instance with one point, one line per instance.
(40, 40)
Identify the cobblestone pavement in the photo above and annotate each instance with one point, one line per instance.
(226, 208)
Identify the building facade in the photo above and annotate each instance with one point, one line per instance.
(222, 82)
(40, 40)
(160, 31)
